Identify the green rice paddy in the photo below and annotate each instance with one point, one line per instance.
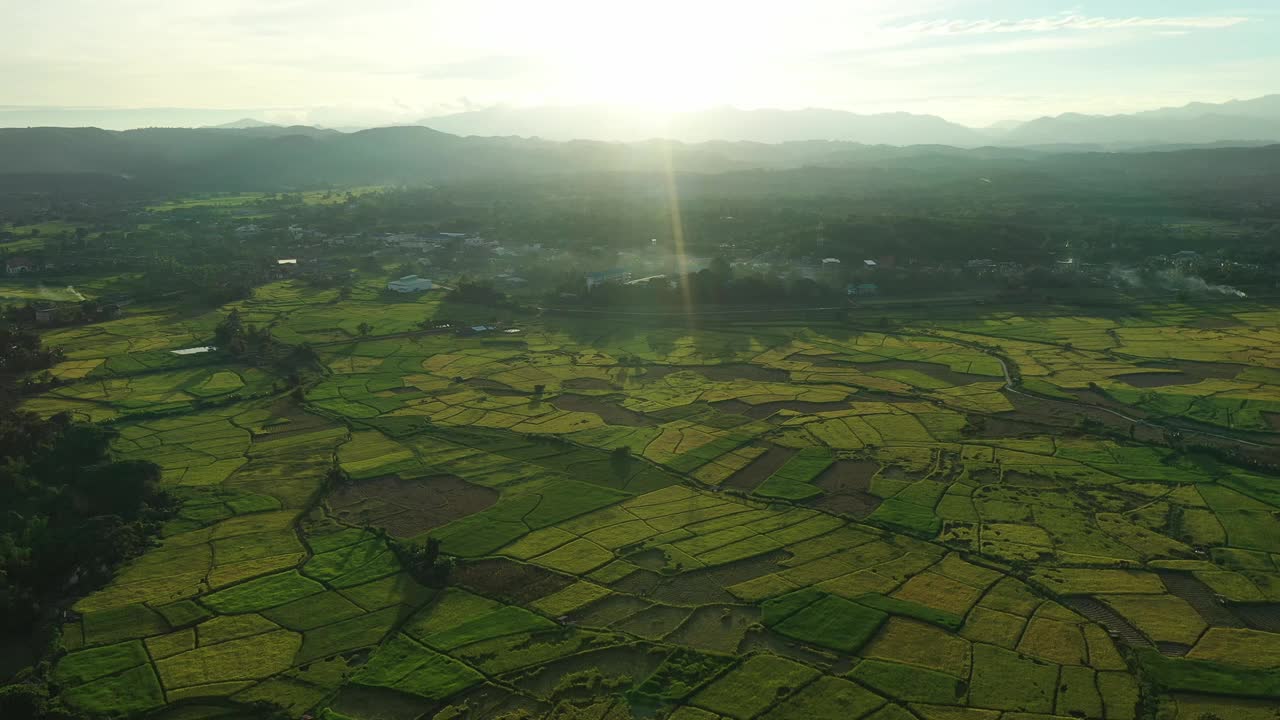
(805, 522)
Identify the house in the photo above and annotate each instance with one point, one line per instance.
(409, 284)
(45, 313)
(870, 264)
(615, 275)
(18, 265)
(863, 290)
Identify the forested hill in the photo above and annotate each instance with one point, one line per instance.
(175, 159)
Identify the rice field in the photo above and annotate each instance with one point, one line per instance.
(731, 522)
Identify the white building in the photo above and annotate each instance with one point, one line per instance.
(409, 284)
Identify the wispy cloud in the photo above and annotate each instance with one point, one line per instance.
(1066, 21)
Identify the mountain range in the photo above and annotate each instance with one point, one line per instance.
(271, 159)
(1244, 121)
(1238, 122)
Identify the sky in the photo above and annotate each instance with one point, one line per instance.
(340, 63)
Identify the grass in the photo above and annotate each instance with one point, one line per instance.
(1204, 676)
(714, 564)
(358, 632)
(793, 481)
(569, 599)
(827, 697)
(122, 623)
(404, 665)
(81, 667)
(833, 622)
(232, 627)
(1162, 618)
(682, 673)
(1238, 646)
(263, 593)
(753, 686)
(915, 643)
(132, 692)
(909, 683)
(399, 589)
(250, 658)
(504, 621)
(1005, 680)
(577, 558)
(314, 611)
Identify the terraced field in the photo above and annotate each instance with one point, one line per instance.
(733, 522)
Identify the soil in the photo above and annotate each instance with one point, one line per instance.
(634, 661)
(1201, 597)
(1215, 323)
(933, 370)
(764, 410)
(707, 585)
(750, 477)
(717, 628)
(509, 580)
(408, 508)
(587, 384)
(1260, 617)
(764, 639)
(607, 610)
(358, 700)
(493, 387)
(741, 371)
(609, 412)
(1155, 379)
(1114, 623)
(1216, 370)
(846, 488)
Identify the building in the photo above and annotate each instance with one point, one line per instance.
(45, 313)
(863, 290)
(615, 275)
(409, 284)
(18, 265)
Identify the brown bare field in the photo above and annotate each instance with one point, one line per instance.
(1158, 379)
(764, 410)
(493, 387)
(609, 412)
(587, 384)
(408, 508)
(750, 477)
(846, 488)
(934, 370)
(507, 579)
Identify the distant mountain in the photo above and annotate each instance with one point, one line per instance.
(614, 124)
(169, 159)
(1243, 121)
(241, 124)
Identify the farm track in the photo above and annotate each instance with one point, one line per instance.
(1199, 596)
(1109, 619)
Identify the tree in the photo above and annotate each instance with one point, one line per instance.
(721, 268)
(364, 329)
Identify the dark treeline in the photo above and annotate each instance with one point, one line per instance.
(71, 515)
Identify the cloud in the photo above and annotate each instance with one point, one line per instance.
(936, 55)
(484, 68)
(1066, 21)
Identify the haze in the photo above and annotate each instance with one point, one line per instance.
(378, 62)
